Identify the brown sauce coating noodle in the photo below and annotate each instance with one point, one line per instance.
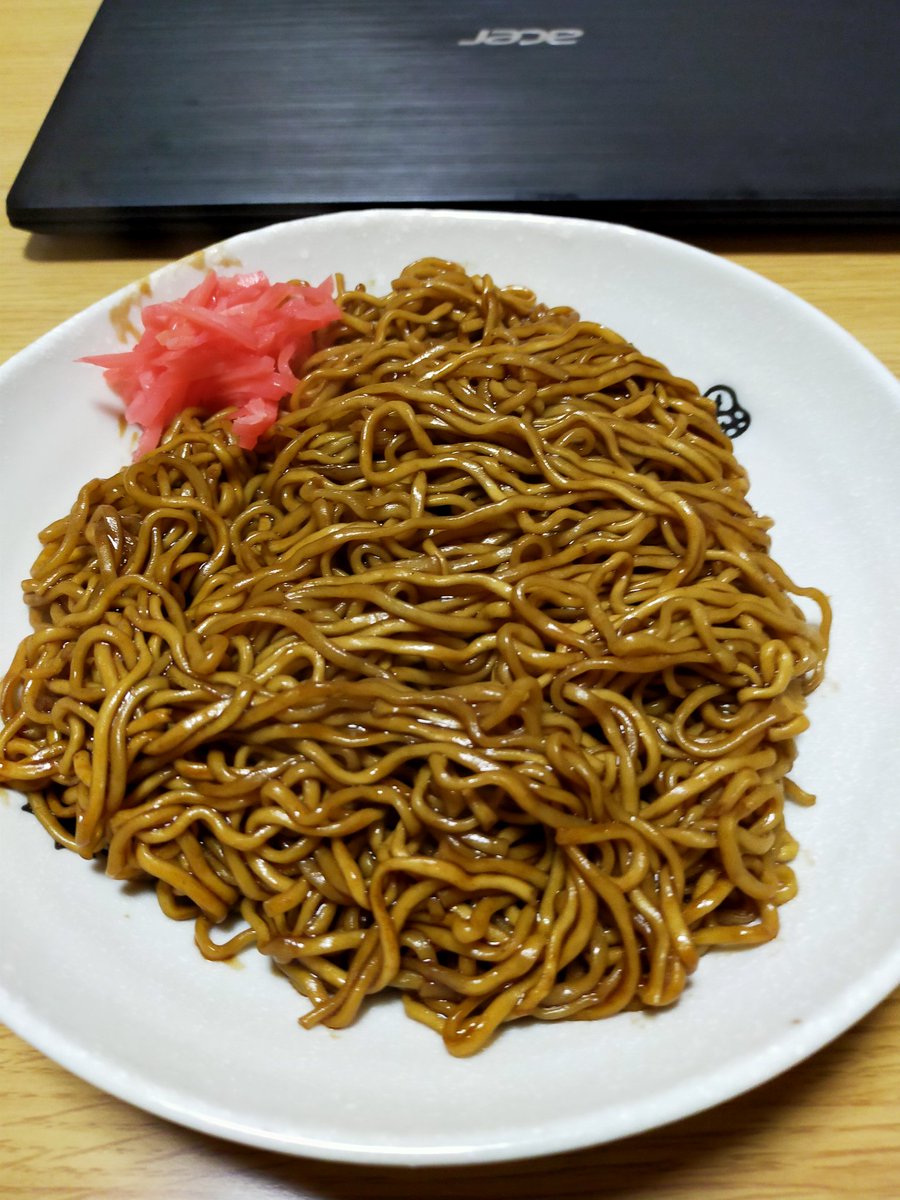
(477, 680)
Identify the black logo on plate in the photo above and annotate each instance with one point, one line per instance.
(733, 418)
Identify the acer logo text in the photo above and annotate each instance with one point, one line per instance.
(523, 37)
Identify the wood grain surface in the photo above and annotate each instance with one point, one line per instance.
(830, 1127)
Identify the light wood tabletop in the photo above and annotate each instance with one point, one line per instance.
(829, 1127)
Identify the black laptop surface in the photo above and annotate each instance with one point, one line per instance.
(239, 112)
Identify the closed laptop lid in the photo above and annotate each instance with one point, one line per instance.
(231, 113)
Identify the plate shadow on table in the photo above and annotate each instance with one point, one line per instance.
(717, 238)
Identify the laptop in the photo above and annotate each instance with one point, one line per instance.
(229, 114)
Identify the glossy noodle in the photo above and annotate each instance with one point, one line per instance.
(476, 680)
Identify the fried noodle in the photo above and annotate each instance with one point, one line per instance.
(476, 680)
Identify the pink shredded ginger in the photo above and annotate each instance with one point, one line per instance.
(232, 342)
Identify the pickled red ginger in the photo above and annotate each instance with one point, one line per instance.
(232, 342)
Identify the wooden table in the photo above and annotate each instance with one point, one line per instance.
(830, 1127)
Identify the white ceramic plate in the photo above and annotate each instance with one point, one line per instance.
(100, 981)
